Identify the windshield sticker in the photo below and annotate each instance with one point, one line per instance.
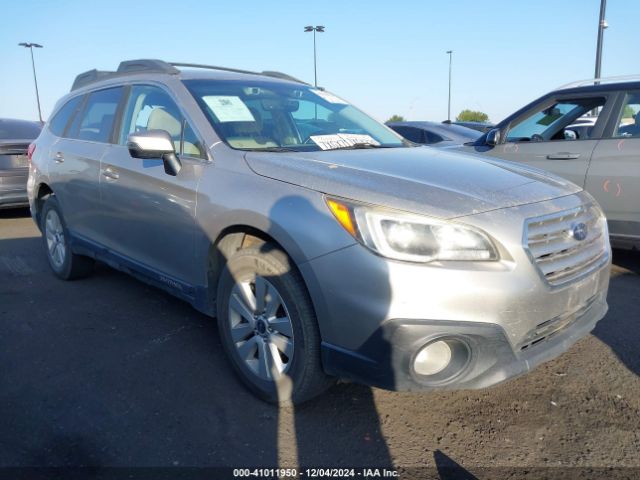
(342, 140)
(229, 108)
(329, 97)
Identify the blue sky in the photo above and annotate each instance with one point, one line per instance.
(385, 57)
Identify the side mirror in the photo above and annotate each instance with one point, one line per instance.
(493, 137)
(155, 144)
(570, 135)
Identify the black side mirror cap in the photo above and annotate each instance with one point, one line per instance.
(494, 136)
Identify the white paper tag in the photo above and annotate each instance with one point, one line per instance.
(341, 140)
(329, 97)
(229, 108)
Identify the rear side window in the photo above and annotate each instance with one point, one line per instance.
(60, 120)
(95, 124)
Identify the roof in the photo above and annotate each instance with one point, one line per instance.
(151, 66)
(602, 84)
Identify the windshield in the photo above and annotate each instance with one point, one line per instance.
(261, 115)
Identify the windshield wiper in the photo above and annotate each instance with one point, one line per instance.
(272, 149)
(361, 146)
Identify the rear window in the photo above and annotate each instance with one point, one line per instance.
(18, 130)
(60, 120)
(96, 121)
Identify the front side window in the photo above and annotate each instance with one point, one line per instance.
(151, 108)
(95, 124)
(263, 115)
(628, 124)
(554, 121)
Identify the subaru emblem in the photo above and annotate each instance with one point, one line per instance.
(579, 231)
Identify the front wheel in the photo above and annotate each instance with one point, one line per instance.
(268, 326)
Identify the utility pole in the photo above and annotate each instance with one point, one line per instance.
(450, 52)
(31, 46)
(602, 24)
(319, 29)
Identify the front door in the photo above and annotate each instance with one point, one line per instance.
(544, 136)
(149, 215)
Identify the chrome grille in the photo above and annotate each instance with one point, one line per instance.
(556, 251)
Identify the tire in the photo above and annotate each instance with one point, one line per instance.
(55, 236)
(273, 345)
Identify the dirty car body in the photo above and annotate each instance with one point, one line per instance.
(421, 269)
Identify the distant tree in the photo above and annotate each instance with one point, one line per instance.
(628, 112)
(472, 116)
(395, 118)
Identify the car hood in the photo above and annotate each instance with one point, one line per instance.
(422, 180)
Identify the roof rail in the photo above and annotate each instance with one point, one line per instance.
(268, 73)
(125, 68)
(600, 81)
(89, 77)
(158, 66)
(146, 65)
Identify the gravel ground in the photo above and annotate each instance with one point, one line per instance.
(109, 372)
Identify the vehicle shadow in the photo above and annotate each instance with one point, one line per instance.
(340, 428)
(619, 329)
(15, 212)
(108, 371)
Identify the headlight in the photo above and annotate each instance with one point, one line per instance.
(413, 238)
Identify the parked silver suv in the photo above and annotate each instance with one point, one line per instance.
(325, 245)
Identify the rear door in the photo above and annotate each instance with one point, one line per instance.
(539, 136)
(614, 175)
(149, 215)
(75, 167)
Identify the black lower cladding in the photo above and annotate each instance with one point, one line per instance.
(384, 361)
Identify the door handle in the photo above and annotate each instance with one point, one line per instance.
(110, 173)
(58, 158)
(563, 156)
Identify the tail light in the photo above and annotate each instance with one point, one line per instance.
(30, 151)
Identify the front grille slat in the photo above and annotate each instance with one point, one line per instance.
(559, 256)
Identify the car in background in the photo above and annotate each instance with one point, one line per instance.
(600, 153)
(15, 137)
(479, 126)
(434, 133)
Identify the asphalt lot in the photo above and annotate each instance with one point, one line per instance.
(109, 372)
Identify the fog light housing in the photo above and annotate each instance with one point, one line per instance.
(441, 359)
(433, 358)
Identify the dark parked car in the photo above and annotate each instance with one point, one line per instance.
(15, 137)
(479, 126)
(433, 133)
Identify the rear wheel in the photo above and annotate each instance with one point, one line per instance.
(64, 263)
(268, 327)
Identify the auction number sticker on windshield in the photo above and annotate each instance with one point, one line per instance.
(329, 97)
(342, 140)
(229, 108)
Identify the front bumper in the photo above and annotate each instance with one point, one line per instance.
(493, 360)
(375, 314)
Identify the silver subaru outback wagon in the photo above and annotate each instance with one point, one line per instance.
(325, 245)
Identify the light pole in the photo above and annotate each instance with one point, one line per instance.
(35, 79)
(450, 53)
(602, 24)
(319, 29)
